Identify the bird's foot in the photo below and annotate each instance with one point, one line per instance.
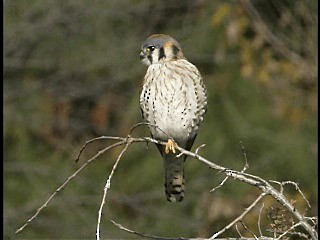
(170, 146)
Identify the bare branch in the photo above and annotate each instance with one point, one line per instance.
(286, 232)
(149, 125)
(180, 238)
(198, 148)
(240, 217)
(246, 228)
(297, 188)
(259, 219)
(107, 186)
(314, 220)
(238, 231)
(66, 182)
(245, 167)
(93, 140)
(264, 186)
(260, 183)
(141, 234)
(220, 184)
(279, 183)
(300, 234)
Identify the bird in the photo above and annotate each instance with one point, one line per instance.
(173, 102)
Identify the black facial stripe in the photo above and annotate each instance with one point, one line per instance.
(161, 53)
(150, 58)
(175, 51)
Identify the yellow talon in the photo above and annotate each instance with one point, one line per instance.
(170, 146)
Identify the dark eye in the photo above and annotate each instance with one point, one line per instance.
(150, 48)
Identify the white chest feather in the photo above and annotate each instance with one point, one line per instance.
(170, 99)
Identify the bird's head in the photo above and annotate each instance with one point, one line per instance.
(160, 48)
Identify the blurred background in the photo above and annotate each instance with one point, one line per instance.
(72, 73)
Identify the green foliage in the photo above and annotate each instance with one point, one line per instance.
(72, 72)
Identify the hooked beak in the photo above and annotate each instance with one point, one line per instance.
(142, 55)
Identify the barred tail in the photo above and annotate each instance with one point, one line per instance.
(174, 177)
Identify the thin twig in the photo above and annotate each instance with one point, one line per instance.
(314, 220)
(107, 186)
(149, 125)
(239, 218)
(238, 231)
(259, 219)
(93, 140)
(220, 184)
(180, 238)
(66, 182)
(260, 183)
(245, 167)
(198, 148)
(253, 180)
(299, 190)
(300, 234)
(279, 183)
(246, 228)
(141, 234)
(291, 228)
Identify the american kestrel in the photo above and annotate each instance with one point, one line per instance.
(173, 101)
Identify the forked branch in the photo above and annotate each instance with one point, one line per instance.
(264, 186)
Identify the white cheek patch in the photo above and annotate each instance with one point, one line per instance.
(155, 56)
(146, 61)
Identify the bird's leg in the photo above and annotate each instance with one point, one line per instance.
(170, 146)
